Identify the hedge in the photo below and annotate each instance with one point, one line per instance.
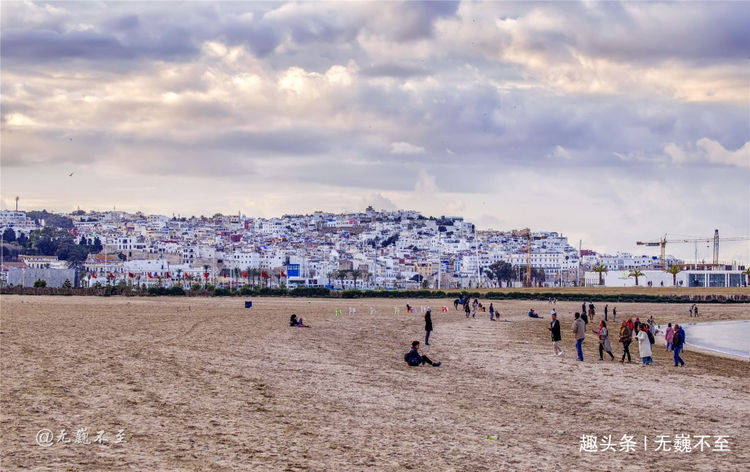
(321, 292)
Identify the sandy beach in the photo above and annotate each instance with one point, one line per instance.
(205, 384)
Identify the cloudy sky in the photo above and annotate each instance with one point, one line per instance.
(608, 122)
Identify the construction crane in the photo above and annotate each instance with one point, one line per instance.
(662, 243)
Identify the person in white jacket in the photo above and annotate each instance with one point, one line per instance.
(644, 347)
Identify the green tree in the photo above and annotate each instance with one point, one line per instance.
(356, 274)
(674, 270)
(341, 275)
(636, 273)
(601, 269)
(9, 235)
(502, 270)
(97, 247)
(67, 284)
(747, 276)
(22, 240)
(40, 283)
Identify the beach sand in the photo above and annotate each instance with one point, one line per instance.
(204, 384)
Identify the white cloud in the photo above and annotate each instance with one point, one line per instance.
(402, 147)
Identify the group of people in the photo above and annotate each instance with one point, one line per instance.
(630, 331)
(471, 308)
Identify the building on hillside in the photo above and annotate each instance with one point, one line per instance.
(25, 277)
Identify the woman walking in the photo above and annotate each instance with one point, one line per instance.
(604, 344)
(626, 337)
(669, 336)
(427, 327)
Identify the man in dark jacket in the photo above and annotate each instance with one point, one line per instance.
(554, 329)
(414, 358)
(427, 327)
(678, 343)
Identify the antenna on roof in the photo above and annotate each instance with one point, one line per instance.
(16, 202)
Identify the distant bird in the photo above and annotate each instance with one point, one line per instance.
(71, 174)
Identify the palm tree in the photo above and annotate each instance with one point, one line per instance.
(356, 273)
(600, 269)
(341, 275)
(674, 270)
(636, 273)
(747, 275)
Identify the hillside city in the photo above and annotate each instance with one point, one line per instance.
(366, 250)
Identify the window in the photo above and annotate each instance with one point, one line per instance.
(716, 280)
(696, 280)
(735, 280)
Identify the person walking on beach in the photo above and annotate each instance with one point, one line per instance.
(414, 358)
(554, 329)
(467, 309)
(691, 310)
(583, 308)
(492, 312)
(669, 336)
(614, 314)
(579, 329)
(592, 311)
(474, 306)
(427, 327)
(606, 312)
(695, 310)
(644, 347)
(626, 337)
(584, 318)
(678, 343)
(604, 344)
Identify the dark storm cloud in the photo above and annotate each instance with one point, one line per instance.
(35, 46)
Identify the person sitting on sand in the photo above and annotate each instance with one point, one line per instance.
(414, 358)
(532, 314)
(297, 322)
(409, 308)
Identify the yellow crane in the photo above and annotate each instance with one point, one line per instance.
(662, 243)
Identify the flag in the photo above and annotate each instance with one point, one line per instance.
(111, 275)
(150, 276)
(93, 275)
(283, 274)
(187, 276)
(130, 274)
(205, 275)
(244, 274)
(168, 276)
(264, 275)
